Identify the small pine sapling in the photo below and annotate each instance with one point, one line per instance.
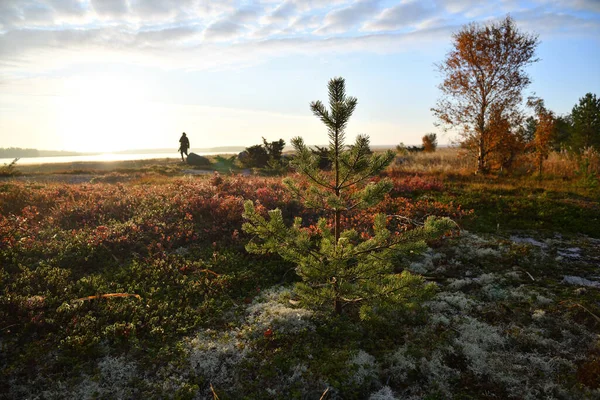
(340, 267)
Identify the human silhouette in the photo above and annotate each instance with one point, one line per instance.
(184, 145)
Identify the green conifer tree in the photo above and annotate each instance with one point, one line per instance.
(339, 268)
(586, 122)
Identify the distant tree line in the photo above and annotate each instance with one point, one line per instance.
(18, 152)
(269, 157)
(429, 145)
(12, 152)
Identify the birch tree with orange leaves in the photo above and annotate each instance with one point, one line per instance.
(484, 75)
(544, 132)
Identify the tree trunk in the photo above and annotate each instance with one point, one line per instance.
(338, 212)
(338, 225)
(481, 153)
(481, 158)
(337, 302)
(337, 306)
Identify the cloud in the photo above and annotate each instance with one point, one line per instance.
(309, 5)
(341, 20)
(112, 8)
(13, 13)
(265, 31)
(589, 5)
(177, 9)
(283, 12)
(303, 24)
(407, 13)
(433, 23)
(231, 26)
(246, 14)
(460, 6)
(44, 51)
(550, 23)
(275, 20)
(582, 5)
(223, 30)
(198, 35)
(67, 7)
(161, 36)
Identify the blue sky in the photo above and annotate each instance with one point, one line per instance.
(106, 75)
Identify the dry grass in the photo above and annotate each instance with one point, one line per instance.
(567, 165)
(453, 161)
(450, 160)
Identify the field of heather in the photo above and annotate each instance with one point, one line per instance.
(133, 281)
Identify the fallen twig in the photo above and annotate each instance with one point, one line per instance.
(324, 394)
(585, 308)
(209, 271)
(528, 274)
(215, 395)
(10, 326)
(107, 295)
(409, 220)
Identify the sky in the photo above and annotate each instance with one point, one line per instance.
(110, 75)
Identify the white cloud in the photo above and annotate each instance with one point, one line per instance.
(550, 23)
(231, 26)
(67, 7)
(303, 24)
(283, 12)
(161, 36)
(246, 14)
(590, 5)
(341, 20)
(111, 8)
(460, 6)
(583, 5)
(223, 30)
(311, 5)
(407, 13)
(265, 31)
(179, 9)
(183, 36)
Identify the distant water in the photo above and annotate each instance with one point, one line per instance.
(99, 157)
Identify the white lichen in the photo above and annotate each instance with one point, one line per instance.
(476, 340)
(529, 241)
(450, 303)
(538, 314)
(214, 356)
(272, 310)
(401, 364)
(365, 367)
(385, 393)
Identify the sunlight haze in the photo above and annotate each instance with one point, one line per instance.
(104, 76)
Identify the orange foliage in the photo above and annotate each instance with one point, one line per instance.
(544, 132)
(483, 80)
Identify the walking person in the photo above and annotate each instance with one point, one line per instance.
(184, 145)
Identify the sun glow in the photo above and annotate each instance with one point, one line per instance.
(103, 114)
